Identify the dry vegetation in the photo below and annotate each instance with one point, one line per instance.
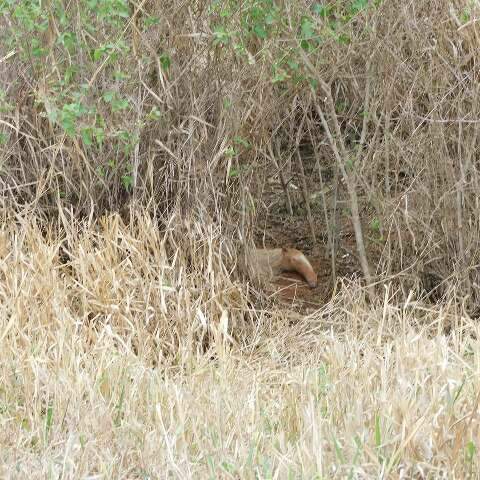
(144, 145)
(120, 364)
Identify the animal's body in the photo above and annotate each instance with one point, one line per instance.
(267, 263)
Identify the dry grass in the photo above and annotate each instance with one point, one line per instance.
(134, 349)
(118, 360)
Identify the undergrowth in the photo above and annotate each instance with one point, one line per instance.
(131, 346)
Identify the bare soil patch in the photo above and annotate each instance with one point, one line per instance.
(277, 228)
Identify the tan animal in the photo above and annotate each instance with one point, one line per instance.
(266, 263)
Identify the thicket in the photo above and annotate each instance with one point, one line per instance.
(128, 349)
(188, 107)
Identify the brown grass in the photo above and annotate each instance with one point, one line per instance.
(131, 346)
(123, 358)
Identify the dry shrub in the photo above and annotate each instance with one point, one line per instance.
(209, 88)
(130, 348)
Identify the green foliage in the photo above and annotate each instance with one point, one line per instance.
(165, 61)
(242, 25)
(240, 141)
(78, 53)
(150, 21)
(375, 225)
(111, 12)
(115, 101)
(470, 454)
(376, 229)
(127, 182)
(69, 116)
(154, 114)
(81, 61)
(4, 138)
(48, 421)
(230, 152)
(468, 11)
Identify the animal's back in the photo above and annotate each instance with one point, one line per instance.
(266, 263)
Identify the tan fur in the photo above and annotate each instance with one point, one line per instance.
(266, 263)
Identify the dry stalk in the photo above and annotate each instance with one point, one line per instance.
(340, 152)
(306, 195)
(330, 222)
(271, 157)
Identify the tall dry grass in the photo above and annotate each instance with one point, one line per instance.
(130, 345)
(123, 356)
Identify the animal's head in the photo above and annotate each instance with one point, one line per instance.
(296, 261)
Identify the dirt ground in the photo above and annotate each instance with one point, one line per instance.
(277, 228)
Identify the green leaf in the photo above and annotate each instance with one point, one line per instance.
(101, 171)
(230, 152)
(260, 32)
(279, 76)
(165, 61)
(270, 18)
(68, 117)
(378, 432)
(234, 172)
(36, 49)
(124, 136)
(4, 138)
(70, 73)
(99, 134)
(120, 76)
(343, 39)
(127, 181)
(220, 35)
(69, 126)
(52, 114)
(321, 10)
(358, 5)
(87, 136)
(307, 28)
(150, 20)
(375, 225)
(241, 141)
(305, 45)
(119, 104)
(465, 16)
(48, 420)
(68, 40)
(471, 451)
(108, 96)
(154, 114)
(293, 65)
(98, 53)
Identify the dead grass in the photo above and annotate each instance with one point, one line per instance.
(122, 357)
(133, 348)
